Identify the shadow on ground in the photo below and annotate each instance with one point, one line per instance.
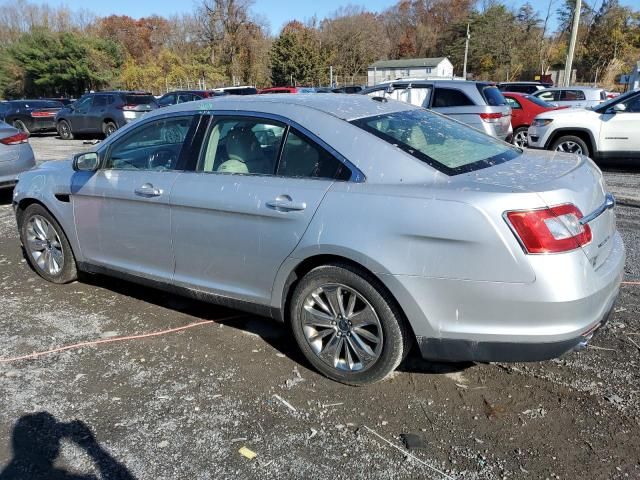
(36, 442)
(6, 195)
(271, 331)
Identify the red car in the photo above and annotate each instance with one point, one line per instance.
(524, 108)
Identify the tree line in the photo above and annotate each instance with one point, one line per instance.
(51, 51)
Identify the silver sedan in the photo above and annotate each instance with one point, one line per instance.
(366, 225)
(16, 154)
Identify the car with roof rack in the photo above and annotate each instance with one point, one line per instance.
(103, 112)
(478, 104)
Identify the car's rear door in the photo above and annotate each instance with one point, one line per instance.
(122, 211)
(234, 220)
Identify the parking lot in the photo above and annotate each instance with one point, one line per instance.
(181, 404)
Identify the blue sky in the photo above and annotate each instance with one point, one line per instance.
(277, 12)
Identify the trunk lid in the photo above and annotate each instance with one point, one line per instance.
(559, 178)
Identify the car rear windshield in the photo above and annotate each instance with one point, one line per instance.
(445, 144)
(492, 95)
(42, 104)
(140, 99)
(539, 101)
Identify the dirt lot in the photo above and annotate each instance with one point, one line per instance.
(181, 405)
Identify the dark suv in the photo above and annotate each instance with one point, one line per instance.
(103, 112)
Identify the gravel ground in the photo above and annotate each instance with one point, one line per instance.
(181, 405)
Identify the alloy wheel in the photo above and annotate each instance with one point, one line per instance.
(64, 130)
(521, 139)
(44, 246)
(342, 328)
(569, 147)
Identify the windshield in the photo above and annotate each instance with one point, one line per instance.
(492, 95)
(539, 102)
(140, 100)
(446, 145)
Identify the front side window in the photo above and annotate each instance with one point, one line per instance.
(538, 101)
(152, 146)
(449, 97)
(547, 96)
(446, 145)
(302, 157)
(242, 145)
(633, 105)
(167, 100)
(100, 101)
(83, 105)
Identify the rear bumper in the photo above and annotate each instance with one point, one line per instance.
(10, 169)
(452, 350)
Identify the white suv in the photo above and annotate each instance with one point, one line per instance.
(610, 130)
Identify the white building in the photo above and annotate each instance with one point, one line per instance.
(384, 70)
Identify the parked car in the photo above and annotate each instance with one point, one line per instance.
(288, 90)
(523, 87)
(62, 100)
(524, 108)
(609, 130)
(30, 116)
(181, 96)
(581, 97)
(239, 90)
(103, 113)
(478, 104)
(406, 227)
(16, 155)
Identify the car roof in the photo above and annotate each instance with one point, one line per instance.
(523, 83)
(343, 106)
(570, 88)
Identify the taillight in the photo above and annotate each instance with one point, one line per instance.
(491, 117)
(43, 114)
(550, 230)
(127, 107)
(16, 139)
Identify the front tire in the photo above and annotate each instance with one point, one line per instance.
(571, 144)
(64, 130)
(46, 246)
(521, 137)
(347, 325)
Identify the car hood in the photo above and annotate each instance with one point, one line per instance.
(561, 112)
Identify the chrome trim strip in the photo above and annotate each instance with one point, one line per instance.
(609, 202)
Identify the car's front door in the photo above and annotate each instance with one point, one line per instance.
(246, 207)
(620, 130)
(79, 115)
(122, 211)
(96, 113)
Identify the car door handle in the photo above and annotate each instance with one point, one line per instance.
(284, 203)
(148, 190)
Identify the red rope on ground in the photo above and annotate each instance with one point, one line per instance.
(115, 339)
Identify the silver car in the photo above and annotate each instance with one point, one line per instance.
(366, 225)
(16, 154)
(478, 104)
(574, 97)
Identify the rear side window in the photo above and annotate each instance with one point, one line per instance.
(570, 95)
(100, 101)
(139, 100)
(492, 95)
(446, 145)
(513, 103)
(301, 157)
(449, 97)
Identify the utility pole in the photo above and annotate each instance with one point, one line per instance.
(572, 44)
(331, 76)
(466, 54)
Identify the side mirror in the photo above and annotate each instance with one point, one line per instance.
(86, 162)
(619, 107)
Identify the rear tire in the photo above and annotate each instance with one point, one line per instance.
(20, 125)
(109, 128)
(64, 130)
(571, 144)
(347, 325)
(46, 246)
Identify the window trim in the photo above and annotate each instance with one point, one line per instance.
(356, 174)
(122, 134)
